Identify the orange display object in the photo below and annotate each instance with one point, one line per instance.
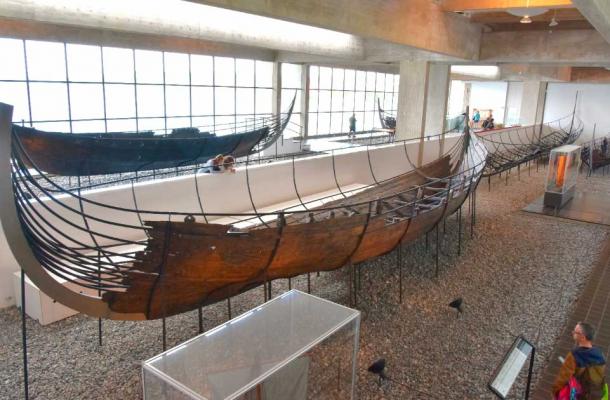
(561, 169)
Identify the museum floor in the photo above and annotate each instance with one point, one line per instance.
(522, 273)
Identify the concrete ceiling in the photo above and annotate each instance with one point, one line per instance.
(375, 34)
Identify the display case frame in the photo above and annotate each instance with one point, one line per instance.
(562, 174)
(291, 346)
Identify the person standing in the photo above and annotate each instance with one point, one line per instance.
(476, 118)
(586, 363)
(352, 126)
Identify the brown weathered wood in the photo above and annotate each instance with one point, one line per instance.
(204, 264)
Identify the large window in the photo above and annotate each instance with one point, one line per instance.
(80, 88)
(335, 94)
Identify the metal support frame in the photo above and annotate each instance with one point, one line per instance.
(200, 319)
(399, 261)
(459, 218)
(24, 343)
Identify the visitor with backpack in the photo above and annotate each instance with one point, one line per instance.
(582, 374)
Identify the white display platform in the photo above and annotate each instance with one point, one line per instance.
(296, 346)
(41, 307)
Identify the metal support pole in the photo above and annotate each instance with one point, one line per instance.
(489, 182)
(355, 283)
(399, 256)
(200, 317)
(529, 374)
(459, 214)
(437, 251)
(265, 292)
(24, 343)
(309, 283)
(289, 283)
(164, 334)
(229, 307)
(349, 281)
(269, 295)
(471, 204)
(99, 293)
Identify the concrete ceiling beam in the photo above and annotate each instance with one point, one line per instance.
(567, 47)
(494, 5)
(590, 75)
(29, 30)
(183, 19)
(420, 24)
(598, 14)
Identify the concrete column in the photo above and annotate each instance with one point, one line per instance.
(439, 80)
(276, 85)
(438, 93)
(412, 99)
(466, 98)
(532, 103)
(422, 100)
(305, 100)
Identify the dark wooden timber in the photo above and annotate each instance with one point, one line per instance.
(204, 264)
(108, 153)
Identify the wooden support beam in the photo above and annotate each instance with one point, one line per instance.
(490, 5)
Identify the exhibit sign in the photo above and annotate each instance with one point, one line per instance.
(508, 370)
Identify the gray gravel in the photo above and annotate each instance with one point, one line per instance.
(521, 274)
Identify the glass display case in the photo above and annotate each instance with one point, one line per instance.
(296, 346)
(564, 163)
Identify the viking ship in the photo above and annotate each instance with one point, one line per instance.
(595, 154)
(508, 148)
(133, 263)
(119, 152)
(387, 120)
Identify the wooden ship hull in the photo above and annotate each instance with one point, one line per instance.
(122, 152)
(511, 147)
(185, 263)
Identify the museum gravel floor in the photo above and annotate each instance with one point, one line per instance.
(520, 274)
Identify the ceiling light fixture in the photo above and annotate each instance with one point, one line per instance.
(526, 19)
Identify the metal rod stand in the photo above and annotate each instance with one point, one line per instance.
(309, 283)
(200, 318)
(24, 343)
(99, 293)
(229, 307)
(437, 251)
(164, 334)
(529, 374)
(399, 256)
(459, 214)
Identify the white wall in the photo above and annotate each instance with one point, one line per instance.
(224, 193)
(513, 103)
(592, 107)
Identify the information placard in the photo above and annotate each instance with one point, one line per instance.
(507, 371)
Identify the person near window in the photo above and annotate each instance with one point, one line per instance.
(352, 126)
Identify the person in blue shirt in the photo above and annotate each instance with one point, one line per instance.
(476, 116)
